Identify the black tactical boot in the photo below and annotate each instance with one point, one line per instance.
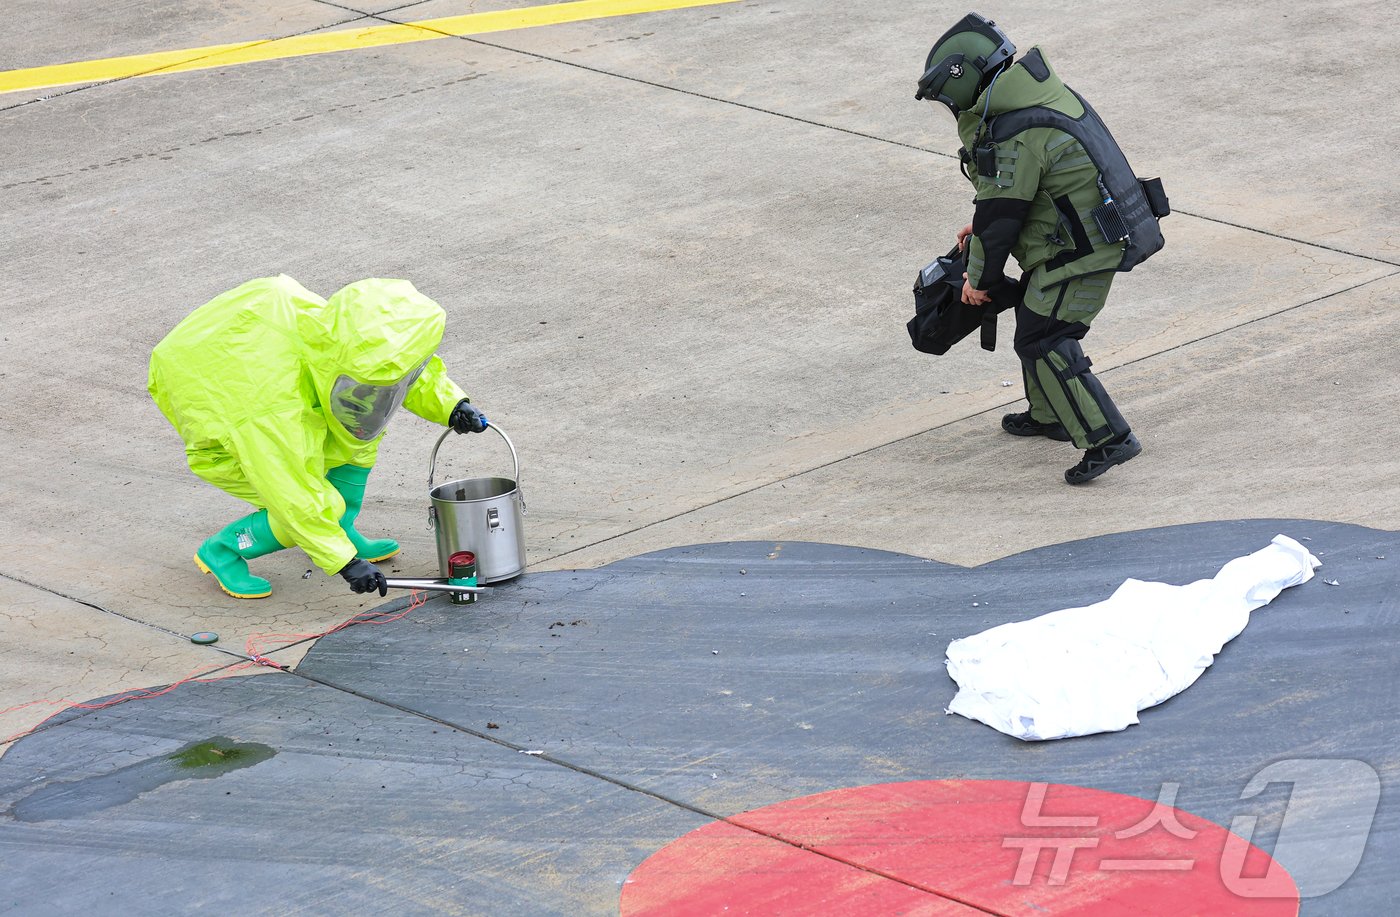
(1025, 425)
(1101, 458)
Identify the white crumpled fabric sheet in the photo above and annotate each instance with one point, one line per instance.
(1085, 670)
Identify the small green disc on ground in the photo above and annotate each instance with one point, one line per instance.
(204, 636)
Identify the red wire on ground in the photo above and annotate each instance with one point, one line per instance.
(255, 649)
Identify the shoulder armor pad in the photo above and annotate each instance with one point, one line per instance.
(1035, 65)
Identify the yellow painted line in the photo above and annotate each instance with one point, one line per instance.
(247, 52)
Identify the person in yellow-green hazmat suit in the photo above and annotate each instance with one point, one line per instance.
(282, 398)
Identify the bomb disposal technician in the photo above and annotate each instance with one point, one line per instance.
(282, 398)
(1054, 191)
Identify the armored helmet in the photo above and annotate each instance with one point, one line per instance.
(963, 61)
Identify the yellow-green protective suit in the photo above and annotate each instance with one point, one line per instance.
(245, 377)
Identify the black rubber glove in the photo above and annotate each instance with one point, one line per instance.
(364, 576)
(467, 419)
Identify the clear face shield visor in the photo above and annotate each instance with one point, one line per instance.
(363, 409)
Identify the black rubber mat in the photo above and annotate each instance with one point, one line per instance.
(524, 754)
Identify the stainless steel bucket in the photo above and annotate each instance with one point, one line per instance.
(481, 515)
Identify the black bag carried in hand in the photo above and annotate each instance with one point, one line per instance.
(941, 318)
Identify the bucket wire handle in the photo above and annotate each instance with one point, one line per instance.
(432, 470)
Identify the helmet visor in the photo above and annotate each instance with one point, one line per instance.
(364, 409)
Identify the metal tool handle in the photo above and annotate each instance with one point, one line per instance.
(430, 585)
(515, 459)
(432, 471)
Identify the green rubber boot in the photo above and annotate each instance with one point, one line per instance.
(349, 480)
(226, 555)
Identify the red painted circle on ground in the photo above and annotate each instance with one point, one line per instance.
(961, 847)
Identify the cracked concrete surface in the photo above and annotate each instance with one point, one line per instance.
(60, 652)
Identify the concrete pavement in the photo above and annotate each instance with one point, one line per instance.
(676, 251)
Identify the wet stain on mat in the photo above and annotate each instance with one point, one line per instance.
(196, 761)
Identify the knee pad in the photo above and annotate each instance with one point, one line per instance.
(1037, 335)
(1072, 353)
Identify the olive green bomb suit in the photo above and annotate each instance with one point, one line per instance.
(1035, 206)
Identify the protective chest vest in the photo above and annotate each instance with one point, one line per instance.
(1135, 204)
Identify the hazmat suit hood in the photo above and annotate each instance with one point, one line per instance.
(365, 349)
